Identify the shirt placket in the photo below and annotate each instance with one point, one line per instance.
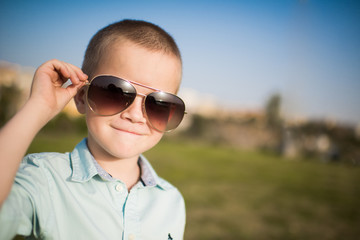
(131, 216)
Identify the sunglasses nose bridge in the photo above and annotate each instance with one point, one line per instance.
(140, 94)
(143, 97)
(135, 111)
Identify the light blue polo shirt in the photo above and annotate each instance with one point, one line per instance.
(69, 196)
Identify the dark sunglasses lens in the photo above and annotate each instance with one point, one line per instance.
(164, 111)
(109, 95)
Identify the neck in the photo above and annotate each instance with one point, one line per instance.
(124, 169)
(127, 170)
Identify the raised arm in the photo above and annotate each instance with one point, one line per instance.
(47, 99)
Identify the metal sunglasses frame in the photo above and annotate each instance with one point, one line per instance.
(137, 94)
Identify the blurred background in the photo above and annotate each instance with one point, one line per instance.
(270, 148)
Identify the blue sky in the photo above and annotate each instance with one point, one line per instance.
(238, 51)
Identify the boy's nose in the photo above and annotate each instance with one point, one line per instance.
(134, 112)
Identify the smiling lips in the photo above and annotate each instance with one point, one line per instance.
(127, 131)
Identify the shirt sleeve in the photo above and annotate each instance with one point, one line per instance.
(18, 213)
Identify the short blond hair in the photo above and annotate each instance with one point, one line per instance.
(142, 33)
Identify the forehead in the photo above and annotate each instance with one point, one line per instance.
(156, 69)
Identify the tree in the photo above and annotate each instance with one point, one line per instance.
(272, 109)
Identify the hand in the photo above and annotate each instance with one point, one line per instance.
(47, 90)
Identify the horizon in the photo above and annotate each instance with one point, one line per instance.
(206, 105)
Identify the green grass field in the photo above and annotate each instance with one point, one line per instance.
(235, 194)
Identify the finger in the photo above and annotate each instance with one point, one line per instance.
(60, 68)
(80, 74)
(73, 75)
(73, 89)
(77, 74)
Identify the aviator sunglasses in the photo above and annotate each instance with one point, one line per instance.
(108, 95)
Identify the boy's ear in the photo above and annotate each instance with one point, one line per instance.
(80, 101)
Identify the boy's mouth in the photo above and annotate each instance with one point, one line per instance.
(127, 131)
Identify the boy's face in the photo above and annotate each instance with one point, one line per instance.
(128, 134)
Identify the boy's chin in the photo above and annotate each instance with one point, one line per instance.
(125, 154)
(121, 150)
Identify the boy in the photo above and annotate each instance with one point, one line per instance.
(105, 188)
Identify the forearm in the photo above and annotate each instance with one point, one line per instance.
(15, 138)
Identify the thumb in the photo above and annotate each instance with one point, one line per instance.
(74, 88)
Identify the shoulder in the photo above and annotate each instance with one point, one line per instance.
(170, 190)
(37, 172)
(46, 158)
(45, 162)
(166, 185)
(44, 155)
(150, 178)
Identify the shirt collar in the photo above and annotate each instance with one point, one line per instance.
(85, 167)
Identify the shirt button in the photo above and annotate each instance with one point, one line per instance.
(119, 187)
(131, 237)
